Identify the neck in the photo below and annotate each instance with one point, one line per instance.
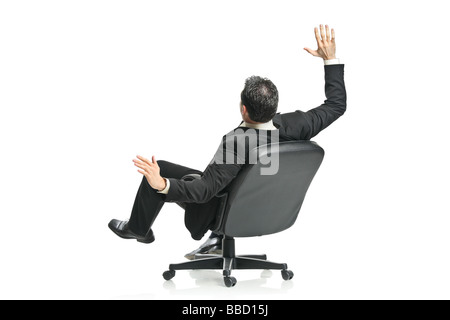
(248, 120)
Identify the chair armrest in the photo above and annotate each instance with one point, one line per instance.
(191, 176)
(188, 177)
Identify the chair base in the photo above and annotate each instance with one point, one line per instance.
(228, 262)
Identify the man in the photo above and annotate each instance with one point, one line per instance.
(259, 101)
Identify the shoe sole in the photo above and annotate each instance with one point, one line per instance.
(146, 241)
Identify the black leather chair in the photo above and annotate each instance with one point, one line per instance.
(255, 205)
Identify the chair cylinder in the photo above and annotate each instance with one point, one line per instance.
(228, 247)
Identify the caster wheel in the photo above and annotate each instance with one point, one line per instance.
(287, 274)
(230, 281)
(169, 274)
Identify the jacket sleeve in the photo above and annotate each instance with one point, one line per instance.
(300, 125)
(214, 179)
(223, 168)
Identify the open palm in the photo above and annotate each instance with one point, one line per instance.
(325, 42)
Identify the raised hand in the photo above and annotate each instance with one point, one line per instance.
(150, 170)
(325, 42)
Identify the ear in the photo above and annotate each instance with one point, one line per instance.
(243, 109)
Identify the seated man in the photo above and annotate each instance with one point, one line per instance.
(162, 181)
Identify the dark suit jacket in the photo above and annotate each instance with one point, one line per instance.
(200, 196)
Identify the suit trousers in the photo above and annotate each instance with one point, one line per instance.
(148, 201)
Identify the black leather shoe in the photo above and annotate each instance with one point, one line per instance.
(211, 246)
(121, 229)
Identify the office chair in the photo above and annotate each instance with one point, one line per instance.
(255, 205)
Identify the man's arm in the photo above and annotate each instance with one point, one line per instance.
(216, 177)
(301, 125)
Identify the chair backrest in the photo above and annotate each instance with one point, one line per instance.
(260, 204)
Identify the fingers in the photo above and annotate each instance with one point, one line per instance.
(146, 164)
(143, 159)
(322, 32)
(141, 165)
(316, 32)
(148, 161)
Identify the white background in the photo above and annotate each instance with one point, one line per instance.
(87, 85)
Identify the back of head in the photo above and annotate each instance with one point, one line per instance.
(260, 97)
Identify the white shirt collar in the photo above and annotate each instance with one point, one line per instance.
(262, 126)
